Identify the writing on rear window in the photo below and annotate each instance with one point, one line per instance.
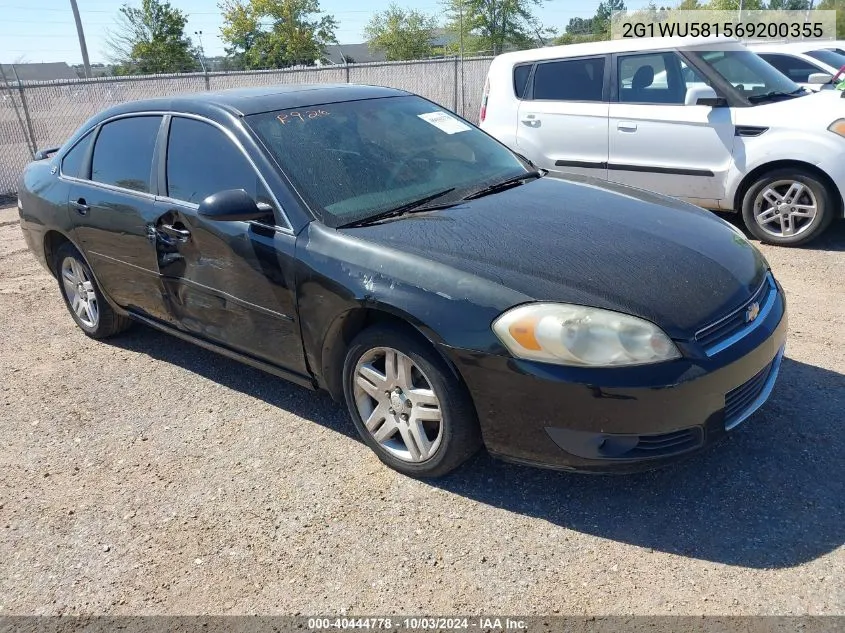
(301, 117)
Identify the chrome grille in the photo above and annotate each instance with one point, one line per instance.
(719, 335)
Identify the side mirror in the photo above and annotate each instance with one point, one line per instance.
(703, 95)
(817, 79)
(233, 205)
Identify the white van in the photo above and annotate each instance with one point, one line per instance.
(703, 119)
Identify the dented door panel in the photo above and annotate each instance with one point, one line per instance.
(231, 283)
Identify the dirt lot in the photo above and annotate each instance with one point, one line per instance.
(144, 475)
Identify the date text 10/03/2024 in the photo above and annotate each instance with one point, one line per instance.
(418, 623)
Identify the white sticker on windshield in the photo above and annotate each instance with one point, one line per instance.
(443, 121)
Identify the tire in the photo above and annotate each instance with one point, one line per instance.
(778, 187)
(397, 441)
(95, 316)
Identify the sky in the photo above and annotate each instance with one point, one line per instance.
(44, 31)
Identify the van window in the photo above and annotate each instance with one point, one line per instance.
(651, 78)
(570, 80)
(520, 79)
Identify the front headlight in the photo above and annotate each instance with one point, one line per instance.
(837, 127)
(578, 335)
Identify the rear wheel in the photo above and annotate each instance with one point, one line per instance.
(407, 404)
(787, 207)
(83, 298)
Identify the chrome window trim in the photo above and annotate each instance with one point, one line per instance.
(246, 155)
(108, 187)
(288, 228)
(94, 127)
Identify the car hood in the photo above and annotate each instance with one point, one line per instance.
(606, 246)
(825, 106)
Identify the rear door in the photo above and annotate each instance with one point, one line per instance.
(562, 122)
(113, 207)
(228, 282)
(657, 141)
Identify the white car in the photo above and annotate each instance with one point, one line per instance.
(705, 120)
(804, 61)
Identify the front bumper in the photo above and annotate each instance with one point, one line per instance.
(622, 419)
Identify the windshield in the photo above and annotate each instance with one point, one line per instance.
(356, 159)
(829, 57)
(748, 73)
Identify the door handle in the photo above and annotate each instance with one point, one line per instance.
(180, 235)
(626, 126)
(531, 121)
(80, 205)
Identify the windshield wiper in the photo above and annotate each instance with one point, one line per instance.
(506, 184)
(774, 94)
(415, 206)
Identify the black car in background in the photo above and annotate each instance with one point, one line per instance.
(365, 241)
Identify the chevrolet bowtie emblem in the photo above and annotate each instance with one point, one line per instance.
(752, 312)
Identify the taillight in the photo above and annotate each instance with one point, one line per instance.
(483, 114)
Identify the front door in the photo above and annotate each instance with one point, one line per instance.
(111, 197)
(657, 141)
(228, 282)
(563, 119)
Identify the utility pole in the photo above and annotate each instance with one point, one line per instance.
(201, 51)
(82, 47)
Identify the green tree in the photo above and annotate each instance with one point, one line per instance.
(788, 5)
(151, 39)
(491, 26)
(276, 33)
(606, 9)
(401, 33)
(839, 7)
(733, 5)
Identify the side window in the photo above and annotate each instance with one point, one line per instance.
(520, 79)
(72, 162)
(653, 78)
(123, 152)
(202, 160)
(570, 80)
(796, 69)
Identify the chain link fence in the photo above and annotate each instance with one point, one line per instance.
(38, 115)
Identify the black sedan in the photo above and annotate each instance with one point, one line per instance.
(366, 241)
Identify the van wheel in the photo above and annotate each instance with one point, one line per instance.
(788, 207)
(408, 406)
(83, 297)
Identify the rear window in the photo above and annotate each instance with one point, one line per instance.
(72, 162)
(520, 79)
(123, 152)
(570, 80)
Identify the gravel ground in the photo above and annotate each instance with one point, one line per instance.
(147, 476)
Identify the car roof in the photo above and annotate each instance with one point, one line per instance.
(246, 101)
(618, 46)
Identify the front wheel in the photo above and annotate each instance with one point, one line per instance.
(407, 404)
(788, 207)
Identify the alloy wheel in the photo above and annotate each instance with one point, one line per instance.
(785, 208)
(80, 292)
(397, 404)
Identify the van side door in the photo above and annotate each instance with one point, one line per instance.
(563, 119)
(659, 142)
